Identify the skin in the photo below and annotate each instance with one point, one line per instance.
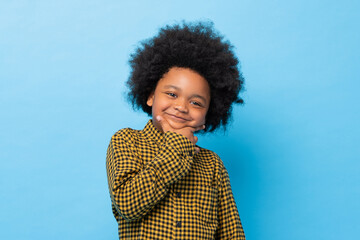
(180, 102)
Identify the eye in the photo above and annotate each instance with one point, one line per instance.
(196, 103)
(171, 94)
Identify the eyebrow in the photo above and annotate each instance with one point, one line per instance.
(179, 89)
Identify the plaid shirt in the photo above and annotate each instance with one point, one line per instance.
(161, 189)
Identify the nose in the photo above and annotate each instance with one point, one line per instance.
(180, 105)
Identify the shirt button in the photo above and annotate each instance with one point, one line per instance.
(178, 224)
(178, 194)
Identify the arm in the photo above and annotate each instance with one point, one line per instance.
(135, 188)
(228, 217)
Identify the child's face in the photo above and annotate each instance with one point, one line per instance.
(181, 97)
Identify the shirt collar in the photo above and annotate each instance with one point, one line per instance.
(150, 131)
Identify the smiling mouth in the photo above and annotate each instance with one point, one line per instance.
(177, 118)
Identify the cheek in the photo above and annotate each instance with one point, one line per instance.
(160, 105)
(200, 117)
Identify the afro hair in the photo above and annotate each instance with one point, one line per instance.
(196, 46)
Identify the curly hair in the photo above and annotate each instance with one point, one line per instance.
(196, 46)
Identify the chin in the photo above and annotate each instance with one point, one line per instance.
(176, 125)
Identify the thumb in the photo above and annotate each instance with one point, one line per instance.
(163, 123)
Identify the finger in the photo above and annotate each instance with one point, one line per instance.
(195, 129)
(197, 150)
(202, 127)
(195, 139)
(163, 123)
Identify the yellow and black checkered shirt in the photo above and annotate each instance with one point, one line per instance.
(161, 189)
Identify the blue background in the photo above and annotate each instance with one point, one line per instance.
(292, 151)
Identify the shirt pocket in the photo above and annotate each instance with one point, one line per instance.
(204, 202)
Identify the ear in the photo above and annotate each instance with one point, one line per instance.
(150, 100)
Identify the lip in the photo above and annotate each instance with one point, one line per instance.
(177, 118)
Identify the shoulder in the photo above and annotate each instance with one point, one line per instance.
(212, 156)
(125, 134)
(211, 159)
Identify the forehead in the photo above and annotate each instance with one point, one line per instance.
(186, 80)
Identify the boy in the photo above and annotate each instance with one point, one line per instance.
(162, 185)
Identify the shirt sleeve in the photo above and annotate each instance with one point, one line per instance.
(228, 217)
(136, 188)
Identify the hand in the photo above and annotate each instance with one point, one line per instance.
(187, 131)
